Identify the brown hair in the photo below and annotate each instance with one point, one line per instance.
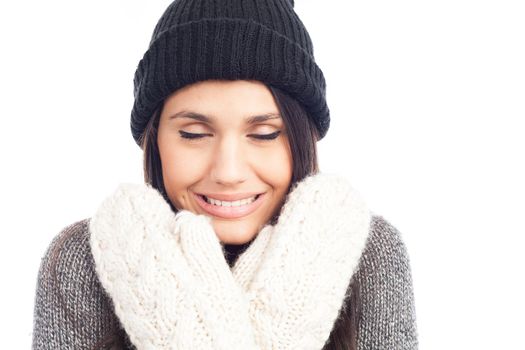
(302, 135)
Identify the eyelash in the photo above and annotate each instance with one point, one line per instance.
(266, 137)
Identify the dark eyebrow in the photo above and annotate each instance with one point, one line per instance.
(210, 120)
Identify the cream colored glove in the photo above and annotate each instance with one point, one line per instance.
(173, 289)
(167, 275)
(297, 272)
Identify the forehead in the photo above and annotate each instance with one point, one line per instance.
(254, 119)
(217, 101)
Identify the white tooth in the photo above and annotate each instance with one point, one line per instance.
(231, 204)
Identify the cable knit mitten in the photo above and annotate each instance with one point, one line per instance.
(225, 302)
(296, 273)
(166, 274)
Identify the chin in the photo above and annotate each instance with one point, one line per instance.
(234, 239)
(233, 232)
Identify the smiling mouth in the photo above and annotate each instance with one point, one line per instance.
(230, 210)
(236, 203)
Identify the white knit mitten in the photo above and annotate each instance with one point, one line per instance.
(167, 275)
(297, 272)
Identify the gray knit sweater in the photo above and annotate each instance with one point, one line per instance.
(72, 310)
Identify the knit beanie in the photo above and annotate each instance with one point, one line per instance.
(197, 40)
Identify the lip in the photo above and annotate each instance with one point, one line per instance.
(230, 212)
(230, 197)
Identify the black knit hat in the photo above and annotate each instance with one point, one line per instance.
(197, 40)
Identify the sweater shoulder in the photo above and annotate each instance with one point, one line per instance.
(71, 307)
(387, 315)
(67, 256)
(385, 260)
(67, 261)
(385, 240)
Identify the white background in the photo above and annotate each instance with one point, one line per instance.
(427, 101)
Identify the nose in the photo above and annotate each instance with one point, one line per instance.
(229, 166)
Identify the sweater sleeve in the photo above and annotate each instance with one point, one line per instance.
(71, 310)
(387, 318)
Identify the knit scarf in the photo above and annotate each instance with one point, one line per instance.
(284, 291)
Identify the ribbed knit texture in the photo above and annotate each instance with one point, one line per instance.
(387, 320)
(197, 40)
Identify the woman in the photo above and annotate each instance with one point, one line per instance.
(236, 240)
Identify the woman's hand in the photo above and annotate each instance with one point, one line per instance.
(224, 302)
(297, 272)
(166, 274)
(172, 287)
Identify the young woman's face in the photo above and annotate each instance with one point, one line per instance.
(227, 141)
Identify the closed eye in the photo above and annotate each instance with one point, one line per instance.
(189, 135)
(263, 137)
(266, 137)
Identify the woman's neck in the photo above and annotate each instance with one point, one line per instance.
(232, 251)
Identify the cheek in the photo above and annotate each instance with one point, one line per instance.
(276, 168)
(179, 172)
